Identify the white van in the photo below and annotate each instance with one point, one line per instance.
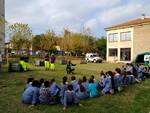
(93, 57)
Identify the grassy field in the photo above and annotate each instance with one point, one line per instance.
(134, 99)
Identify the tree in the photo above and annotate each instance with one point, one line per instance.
(36, 42)
(48, 41)
(21, 36)
(2, 33)
(66, 40)
(77, 43)
(101, 46)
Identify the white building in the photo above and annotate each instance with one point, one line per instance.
(126, 40)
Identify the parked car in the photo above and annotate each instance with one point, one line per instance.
(93, 57)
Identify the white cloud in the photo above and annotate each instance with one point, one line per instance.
(92, 23)
(118, 14)
(73, 14)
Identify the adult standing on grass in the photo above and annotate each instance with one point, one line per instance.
(52, 66)
(46, 62)
(0, 60)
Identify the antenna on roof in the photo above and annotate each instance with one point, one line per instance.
(142, 15)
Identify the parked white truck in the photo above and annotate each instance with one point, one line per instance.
(93, 57)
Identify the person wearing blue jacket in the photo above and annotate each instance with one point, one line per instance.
(70, 97)
(107, 85)
(31, 94)
(140, 73)
(63, 88)
(81, 92)
(85, 83)
(54, 90)
(44, 96)
(118, 80)
(95, 82)
(130, 78)
(29, 83)
(92, 90)
(74, 83)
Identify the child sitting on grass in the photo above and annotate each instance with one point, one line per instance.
(74, 83)
(130, 78)
(44, 93)
(29, 83)
(54, 90)
(102, 80)
(92, 90)
(118, 80)
(107, 84)
(63, 88)
(95, 82)
(70, 97)
(31, 94)
(81, 92)
(85, 83)
(41, 82)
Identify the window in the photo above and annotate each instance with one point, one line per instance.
(113, 52)
(125, 54)
(125, 36)
(113, 37)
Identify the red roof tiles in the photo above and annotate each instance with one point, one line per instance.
(130, 23)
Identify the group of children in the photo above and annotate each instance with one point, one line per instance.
(48, 92)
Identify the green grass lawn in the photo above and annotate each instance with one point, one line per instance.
(134, 99)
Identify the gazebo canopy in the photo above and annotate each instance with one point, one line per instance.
(140, 57)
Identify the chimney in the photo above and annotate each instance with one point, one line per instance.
(143, 16)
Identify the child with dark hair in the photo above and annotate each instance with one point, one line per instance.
(108, 84)
(102, 80)
(111, 74)
(29, 83)
(81, 92)
(85, 82)
(74, 82)
(95, 82)
(63, 88)
(130, 78)
(146, 72)
(129, 67)
(140, 73)
(92, 90)
(124, 78)
(70, 97)
(54, 90)
(31, 94)
(118, 80)
(44, 93)
(41, 82)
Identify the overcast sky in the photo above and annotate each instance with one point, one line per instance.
(56, 15)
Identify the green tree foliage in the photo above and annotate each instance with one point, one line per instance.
(36, 42)
(21, 36)
(66, 41)
(48, 41)
(77, 43)
(101, 46)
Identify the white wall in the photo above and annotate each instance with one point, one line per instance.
(119, 44)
